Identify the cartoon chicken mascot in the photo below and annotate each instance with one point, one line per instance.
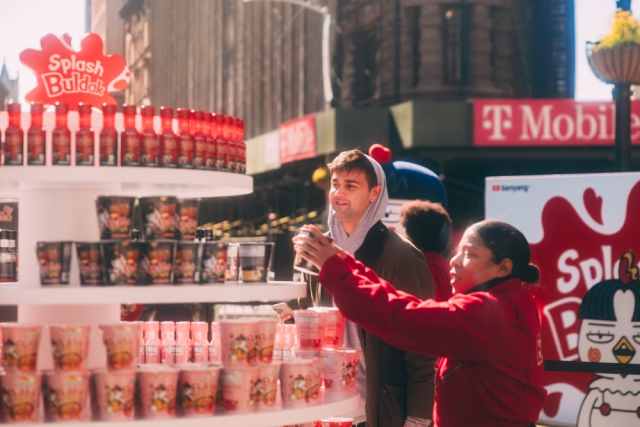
(610, 333)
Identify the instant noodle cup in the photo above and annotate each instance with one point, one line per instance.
(158, 385)
(232, 273)
(160, 217)
(115, 216)
(188, 218)
(54, 260)
(315, 386)
(156, 262)
(114, 394)
(238, 338)
(334, 328)
(121, 260)
(65, 396)
(186, 263)
(337, 422)
(310, 328)
(198, 389)
(240, 388)
(122, 345)
(20, 397)
(255, 261)
(267, 387)
(90, 263)
(214, 262)
(265, 339)
(340, 372)
(296, 382)
(69, 344)
(20, 347)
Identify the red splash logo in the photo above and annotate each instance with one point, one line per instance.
(69, 76)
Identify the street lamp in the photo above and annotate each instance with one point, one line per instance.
(326, 25)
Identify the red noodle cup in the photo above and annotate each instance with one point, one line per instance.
(20, 397)
(156, 263)
(316, 373)
(20, 347)
(198, 388)
(238, 339)
(158, 386)
(186, 262)
(240, 388)
(115, 216)
(69, 344)
(160, 217)
(122, 345)
(65, 396)
(334, 328)
(265, 340)
(296, 382)
(121, 258)
(114, 394)
(340, 371)
(188, 218)
(54, 260)
(267, 388)
(337, 422)
(310, 326)
(90, 263)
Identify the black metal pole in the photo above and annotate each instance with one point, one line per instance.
(622, 97)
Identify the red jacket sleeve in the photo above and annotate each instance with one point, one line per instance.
(463, 327)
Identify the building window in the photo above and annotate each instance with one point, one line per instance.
(413, 18)
(365, 49)
(456, 43)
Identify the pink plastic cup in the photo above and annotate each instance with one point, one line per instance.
(21, 395)
(114, 394)
(20, 347)
(296, 382)
(240, 388)
(265, 340)
(238, 342)
(340, 372)
(215, 344)
(310, 325)
(336, 422)
(334, 328)
(69, 344)
(267, 388)
(122, 344)
(158, 386)
(198, 389)
(65, 396)
(316, 372)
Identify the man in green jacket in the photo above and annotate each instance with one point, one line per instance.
(396, 385)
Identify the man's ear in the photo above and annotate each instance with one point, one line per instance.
(375, 193)
(505, 267)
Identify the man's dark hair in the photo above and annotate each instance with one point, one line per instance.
(354, 161)
(427, 225)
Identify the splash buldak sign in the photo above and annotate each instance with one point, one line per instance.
(549, 122)
(69, 76)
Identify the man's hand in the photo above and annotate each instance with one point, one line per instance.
(316, 250)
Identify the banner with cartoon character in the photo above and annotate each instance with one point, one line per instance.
(583, 230)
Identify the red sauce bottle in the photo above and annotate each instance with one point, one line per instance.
(199, 140)
(210, 155)
(150, 145)
(222, 145)
(108, 136)
(168, 140)
(242, 147)
(129, 138)
(36, 137)
(186, 146)
(228, 131)
(14, 137)
(85, 149)
(61, 137)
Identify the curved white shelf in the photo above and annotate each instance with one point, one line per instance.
(152, 294)
(257, 419)
(133, 181)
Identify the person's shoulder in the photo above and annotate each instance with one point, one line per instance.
(396, 246)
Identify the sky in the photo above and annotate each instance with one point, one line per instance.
(24, 22)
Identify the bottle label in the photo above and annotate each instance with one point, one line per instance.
(149, 152)
(151, 349)
(61, 144)
(84, 149)
(35, 148)
(14, 148)
(108, 149)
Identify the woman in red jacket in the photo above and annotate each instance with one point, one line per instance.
(487, 334)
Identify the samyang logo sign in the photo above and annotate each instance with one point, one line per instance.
(68, 76)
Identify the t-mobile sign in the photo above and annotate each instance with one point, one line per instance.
(549, 122)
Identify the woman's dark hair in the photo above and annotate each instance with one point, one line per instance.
(427, 225)
(506, 241)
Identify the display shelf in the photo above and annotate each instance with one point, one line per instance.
(258, 419)
(156, 294)
(133, 181)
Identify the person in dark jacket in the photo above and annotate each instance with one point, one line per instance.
(487, 335)
(397, 384)
(428, 226)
